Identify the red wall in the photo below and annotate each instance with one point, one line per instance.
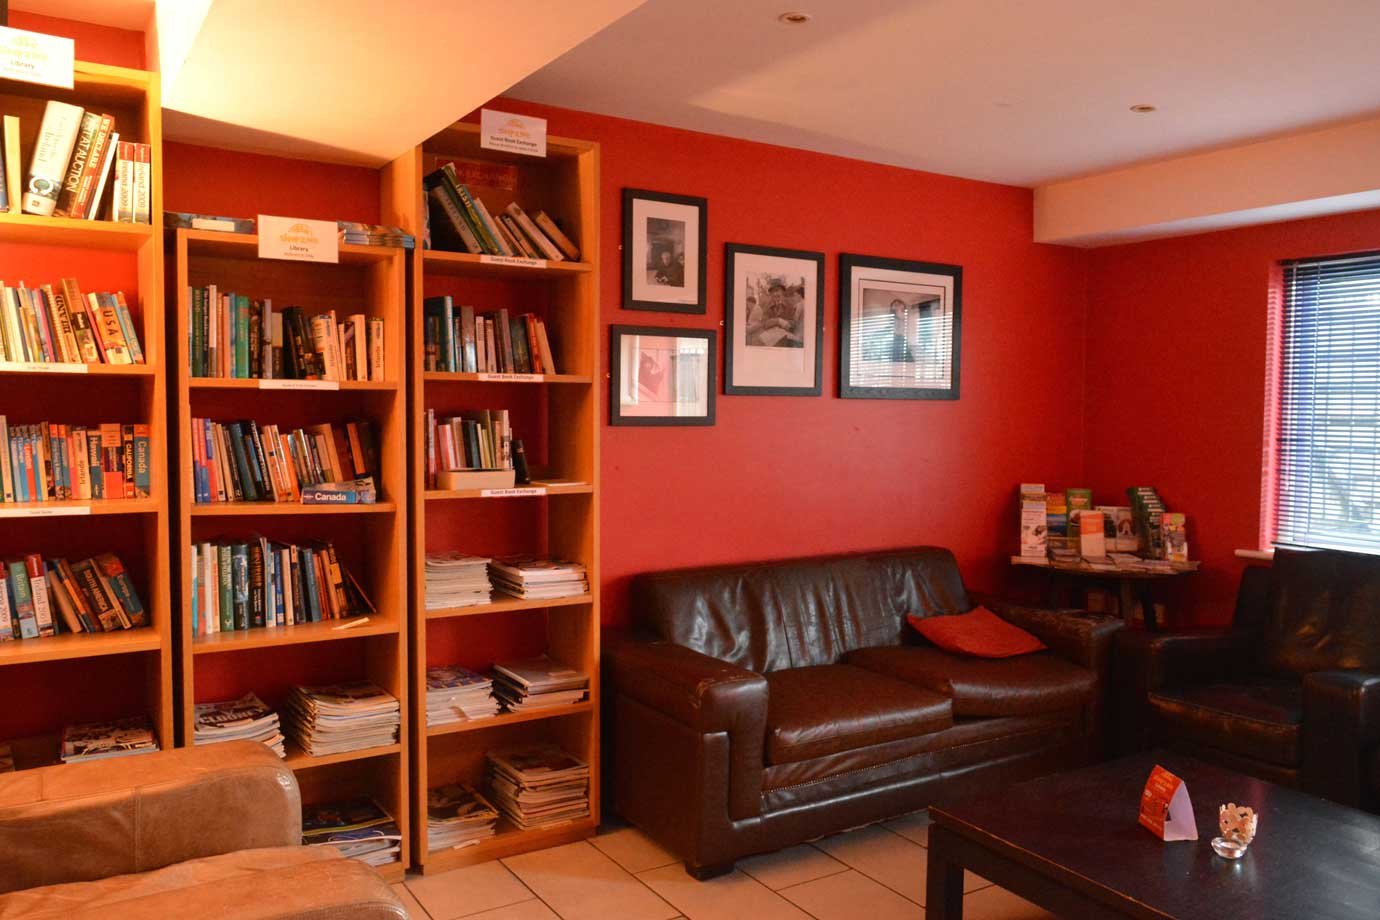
(1176, 346)
(97, 44)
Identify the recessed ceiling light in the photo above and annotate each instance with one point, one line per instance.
(794, 18)
(1142, 108)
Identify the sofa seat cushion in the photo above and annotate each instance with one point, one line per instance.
(985, 687)
(825, 709)
(1258, 719)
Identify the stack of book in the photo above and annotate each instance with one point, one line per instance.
(341, 717)
(260, 582)
(59, 324)
(53, 461)
(456, 694)
(186, 220)
(476, 439)
(538, 683)
(535, 577)
(461, 341)
(539, 786)
(245, 719)
(359, 829)
(100, 740)
(319, 464)
(76, 155)
(456, 580)
(466, 225)
(39, 599)
(457, 816)
(373, 235)
(237, 336)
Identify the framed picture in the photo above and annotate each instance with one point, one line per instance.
(661, 376)
(899, 328)
(774, 321)
(663, 251)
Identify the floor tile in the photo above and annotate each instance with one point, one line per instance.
(995, 903)
(466, 891)
(524, 910)
(789, 867)
(633, 850)
(414, 910)
(915, 828)
(581, 883)
(888, 858)
(850, 895)
(728, 897)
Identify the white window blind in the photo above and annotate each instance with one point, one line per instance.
(1328, 447)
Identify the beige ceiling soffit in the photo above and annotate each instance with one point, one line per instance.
(1328, 171)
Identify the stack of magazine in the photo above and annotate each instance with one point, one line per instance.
(341, 717)
(457, 816)
(245, 719)
(99, 740)
(456, 580)
(359, 829)
(534, 577)
(538, 683)
(455, 694)
(373, 235)
(539, 786)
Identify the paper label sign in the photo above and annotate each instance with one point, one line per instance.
(509, 493)
(513, 260)
(511, 378)
(277, 384)
(1165, 809)
(43, 367)
(298, 240)
(36, 58)
(56, 511)
(512, 133)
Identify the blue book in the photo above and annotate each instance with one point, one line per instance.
(309, 584)
(239, 584)
(243, 471)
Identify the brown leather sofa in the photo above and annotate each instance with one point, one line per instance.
(1291, 693)
(760, 705)
(200, 832)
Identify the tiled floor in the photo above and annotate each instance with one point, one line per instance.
(876, 873)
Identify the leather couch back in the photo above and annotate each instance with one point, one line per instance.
(768, 616)
(1324, 613)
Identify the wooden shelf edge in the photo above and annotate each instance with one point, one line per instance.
(240, 383)
(507, 842)
(445, 262)
(454, 377)
(67, 231)
(508, 605)
(301, 634)
(12, 510)
(297, 759)
(72, 646)
(433, 495)
(246, 245)
(253, 509)
(80, 370)
(512, 718)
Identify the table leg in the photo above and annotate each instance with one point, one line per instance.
(943, 881)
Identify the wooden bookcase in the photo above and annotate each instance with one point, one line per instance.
(89, 677)
(370, 539)
(558, 419)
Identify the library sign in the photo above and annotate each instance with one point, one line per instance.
(36, 58)
(298, 240)
(512, 133)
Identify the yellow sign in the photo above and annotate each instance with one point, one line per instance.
(36, 58)
(298, 240)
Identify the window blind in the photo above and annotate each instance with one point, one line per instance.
(1328, 442)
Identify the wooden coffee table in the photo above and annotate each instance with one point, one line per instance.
(1071, 844)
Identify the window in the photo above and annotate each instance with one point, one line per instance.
(1327, 462)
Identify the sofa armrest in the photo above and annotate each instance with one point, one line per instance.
(1076, 635)
(79, 822)
(701, 692)
(1175, 660)
(1341, 727)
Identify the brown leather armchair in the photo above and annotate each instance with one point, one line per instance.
(765, 704)
(1290, 694)
(211, 831)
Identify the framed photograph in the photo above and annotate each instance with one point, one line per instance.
(774, 321)
(899, 324)
(661, 376)
(663, 251)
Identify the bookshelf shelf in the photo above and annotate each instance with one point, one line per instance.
(94, 507)
(134, 371)
(508, 605)
(301, 634)
(279, 509)
(246, 246)
(297, 759)
(341, 386)
(80, 645)
(65, 231)
(561, 415)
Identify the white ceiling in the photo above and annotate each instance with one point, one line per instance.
(1010, 91)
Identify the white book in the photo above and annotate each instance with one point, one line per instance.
(52, 151)
(361, 345)
(143, 184)
(106, 165)
(266, 340)
(43, 611)
(376, 367)
(6, 474)
(6, 620)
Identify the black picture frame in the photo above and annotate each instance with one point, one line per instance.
(617, 376)
(633, 253)
(732, 251)
(850, 315)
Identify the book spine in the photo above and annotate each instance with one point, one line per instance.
(449, 206)
(239, 564)
(123, 203)
(255, 573)
(6, 470)
(553, 232)
(143, 184)
(107, 166)
(111, 456)
(86, 613)
(7, 622)
(122, 588)
(91, 174)
(490, 225)
(52, 150)
(243, 322)
(131, 335)
(143, 473)
(22, 600)
(81, 154)
(377, 368)
(323, 340)
(38, 588)
(62, 317)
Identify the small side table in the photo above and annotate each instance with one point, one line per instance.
(1132, 586)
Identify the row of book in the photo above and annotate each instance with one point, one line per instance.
(245, 719)
(462, 341)
(53, 461)
(476, 439)
(359, 828)
(468, 226)
(236, 336)
(457, 694)
(1067, 527)
(319, 464)
(41, 598)
(253, 583)
(341, 717)
(51, 324)
(76, 155)
(350, 231)
(456, 579)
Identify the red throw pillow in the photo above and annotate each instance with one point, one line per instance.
(979, 632)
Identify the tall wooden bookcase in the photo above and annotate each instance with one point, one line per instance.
(370, 539)
(80, 677)
(557, 417)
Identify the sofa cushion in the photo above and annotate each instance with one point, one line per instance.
(979, 632)
(1028, 685)
(1258, 719)
(825, 709)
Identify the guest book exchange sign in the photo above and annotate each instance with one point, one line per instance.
(1165, 809)
(298, 240)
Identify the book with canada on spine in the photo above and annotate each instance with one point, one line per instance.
(56, 137)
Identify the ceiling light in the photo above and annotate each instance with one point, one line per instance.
(1142, 108)
(794, 18)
